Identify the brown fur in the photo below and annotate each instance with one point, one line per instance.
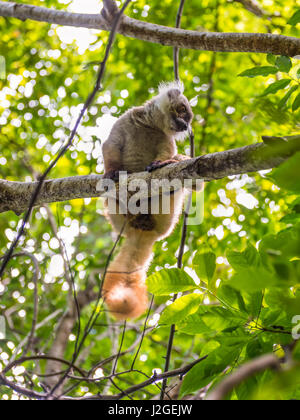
(125, 294)
(143, 135)
(143, 221)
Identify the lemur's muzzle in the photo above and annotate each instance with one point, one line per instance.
(181, 125)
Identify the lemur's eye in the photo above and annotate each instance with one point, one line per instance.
(181, 109)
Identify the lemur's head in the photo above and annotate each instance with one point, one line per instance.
(175, 107)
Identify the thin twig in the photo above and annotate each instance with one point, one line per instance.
(143, 333)
(67, 322)
(22, 360)
(176, 49)
(120, 349)
(165, 375)
(38, 326)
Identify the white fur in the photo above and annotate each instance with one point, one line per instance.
(164, 87)
(181, 136)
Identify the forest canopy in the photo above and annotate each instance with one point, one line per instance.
(227, 315)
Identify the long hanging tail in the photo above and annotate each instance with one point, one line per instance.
(124, 288)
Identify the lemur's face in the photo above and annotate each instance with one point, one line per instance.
(181, 114)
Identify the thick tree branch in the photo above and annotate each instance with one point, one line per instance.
(210, 41)
(16, 196)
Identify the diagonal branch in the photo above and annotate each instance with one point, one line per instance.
(267, 361)
(174, 37)
(253, 7)
(152, 380)
(15, 196)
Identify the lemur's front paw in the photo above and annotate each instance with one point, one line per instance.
(113, 175)
(157, 164)
(154, 165)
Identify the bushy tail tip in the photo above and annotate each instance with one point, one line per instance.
(125, 295)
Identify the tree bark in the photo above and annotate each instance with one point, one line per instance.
(15, 196)
(209, 41)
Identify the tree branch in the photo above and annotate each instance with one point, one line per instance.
(253, 7)
(209, 41)
(152, 380)
(268, 361)
(16, 196)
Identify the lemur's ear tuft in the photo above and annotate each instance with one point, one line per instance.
(165, 87)
(173, 93)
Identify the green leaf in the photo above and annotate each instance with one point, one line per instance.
(231, 297)
(296, 352)
(275, 319)
(167, 281)
(288, 303)
(284, 246)
(253, 279)
(271, 58)
(257, 347)
(243, 260)
(237, 338)
(286, 97)
(259, 71)
(206, 371)
(294, 19)
(180, 309)
(296, 103)
(211, 320)
(284, 63)
(295, 205)
(298, 74)
(291, 218)
(194, 324)
(287, 175)
(218, 318)
(276, 86)
(251, 276)
(253, 303)
(204, 264)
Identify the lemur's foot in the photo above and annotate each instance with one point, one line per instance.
(157, 164)
(113, 175)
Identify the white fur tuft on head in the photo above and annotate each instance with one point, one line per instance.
(164, 87)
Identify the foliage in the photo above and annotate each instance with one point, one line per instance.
(239, 291)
